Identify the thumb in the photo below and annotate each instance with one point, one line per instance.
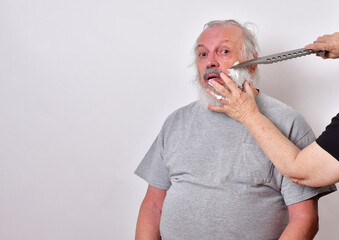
(317, 46)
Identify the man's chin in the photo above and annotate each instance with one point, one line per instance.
(205, 99)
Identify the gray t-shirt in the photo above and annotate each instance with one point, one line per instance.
(220, 185)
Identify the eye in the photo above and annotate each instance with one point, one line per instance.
(224, 51)
(202, 54)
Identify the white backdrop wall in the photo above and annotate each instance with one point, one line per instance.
(86, 85)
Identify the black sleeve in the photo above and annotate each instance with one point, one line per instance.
(329, 139)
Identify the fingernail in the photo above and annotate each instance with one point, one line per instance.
(210, 82)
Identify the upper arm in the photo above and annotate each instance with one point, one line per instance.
(308, 210)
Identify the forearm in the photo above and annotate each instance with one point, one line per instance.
(300, 229)
(303, 220)
(148, 223)
(279, 149)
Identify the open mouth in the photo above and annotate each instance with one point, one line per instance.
(215, 77)
(212, 76)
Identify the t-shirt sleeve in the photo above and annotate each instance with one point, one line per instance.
(302, 136)
(294, 193)
(329, 139)
(152, 168)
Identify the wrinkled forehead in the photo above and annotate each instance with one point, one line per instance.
(221, 33)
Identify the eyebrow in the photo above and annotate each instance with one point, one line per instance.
(198, 46)
(220, 43)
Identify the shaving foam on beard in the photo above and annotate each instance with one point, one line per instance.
(239, 75)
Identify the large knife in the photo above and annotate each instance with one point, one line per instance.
(274, 58)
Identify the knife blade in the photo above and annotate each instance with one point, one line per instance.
(278, 57)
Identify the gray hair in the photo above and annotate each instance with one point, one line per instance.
(250, 46)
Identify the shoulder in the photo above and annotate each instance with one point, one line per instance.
(184, 112)
(290, 122)
(273, 107)
(181, 115)
(277, 111)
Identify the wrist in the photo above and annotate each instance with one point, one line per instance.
(251, 118)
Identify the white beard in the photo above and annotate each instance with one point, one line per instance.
(205, 99)
(239, 76)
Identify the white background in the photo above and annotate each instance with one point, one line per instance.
(86, 85)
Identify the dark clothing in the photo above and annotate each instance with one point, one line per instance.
(329, 139)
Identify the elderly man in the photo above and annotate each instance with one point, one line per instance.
(208, 178)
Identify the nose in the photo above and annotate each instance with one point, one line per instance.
(212, 62)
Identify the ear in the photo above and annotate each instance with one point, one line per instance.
(254, 90)
(253, 67)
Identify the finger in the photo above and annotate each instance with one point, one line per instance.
(229, 82)
(223, 109)
(317, 46)
(331, 55)
(323, 38)
(221, 89)
(248, 89)
(216, 96)
(309, 46)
